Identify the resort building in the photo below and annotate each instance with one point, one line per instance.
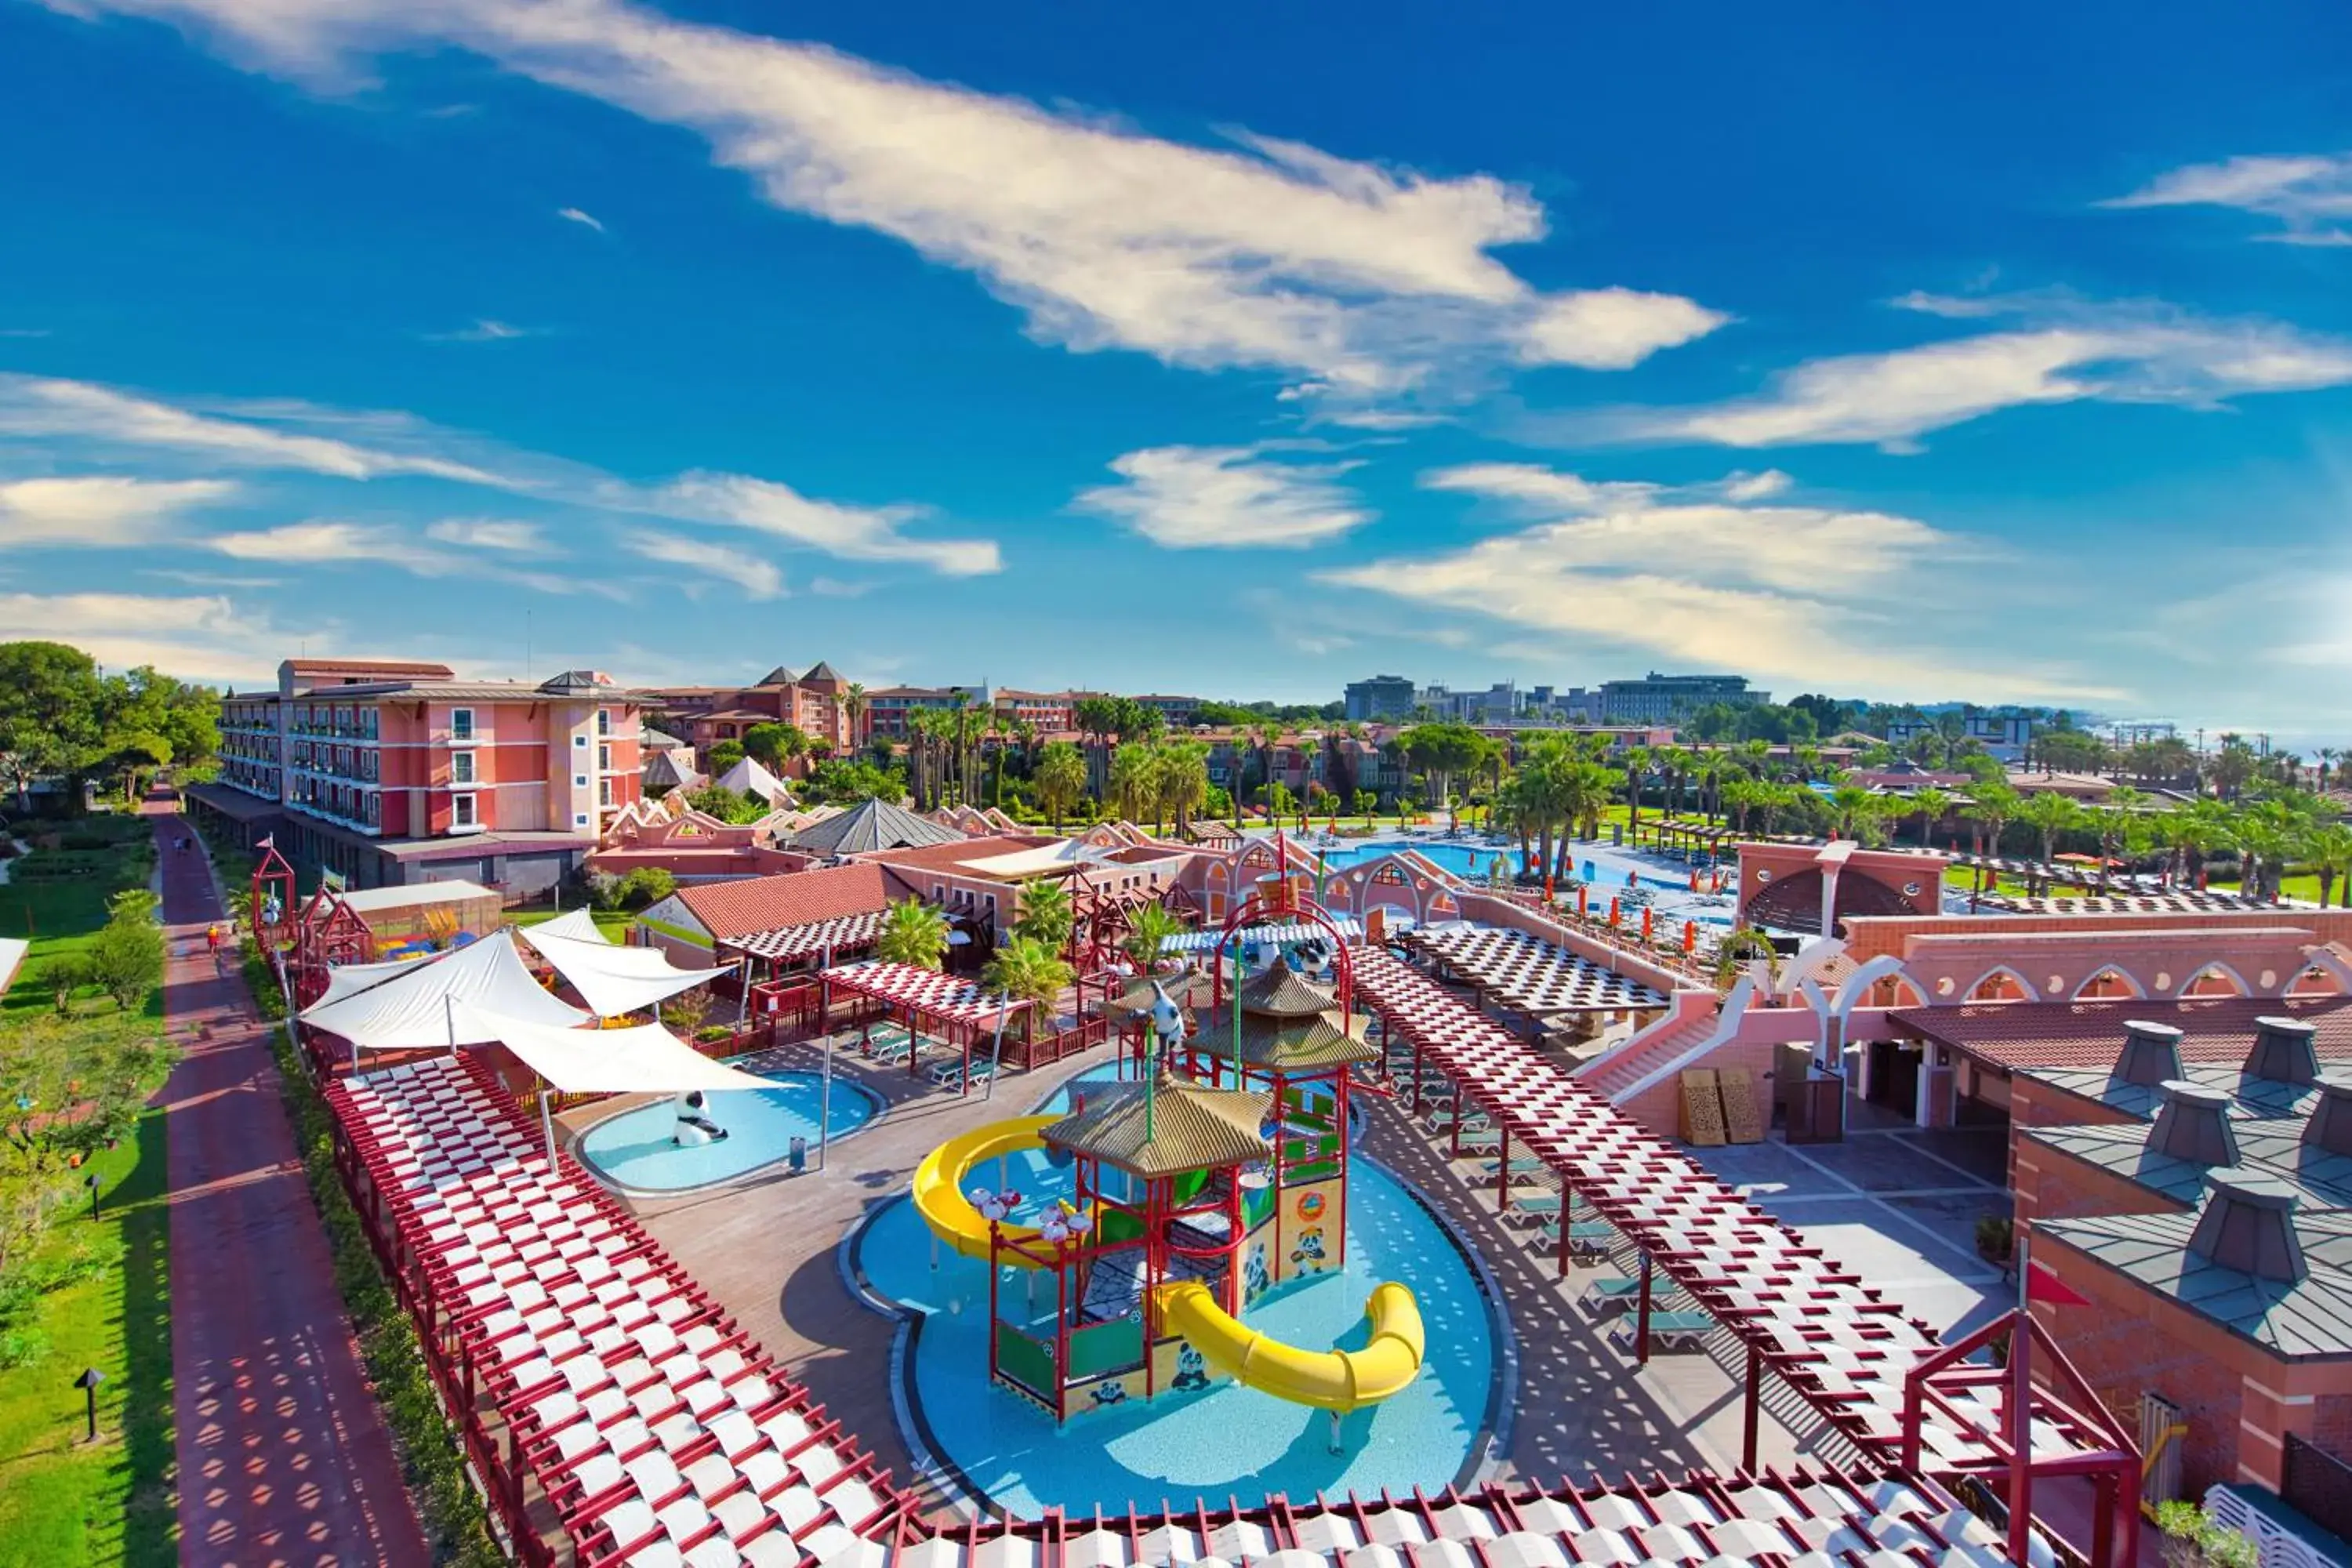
(387, 773)
(1657, 698)
(705, 715)
(889, 708)
(1380, 697)
(2004, 733)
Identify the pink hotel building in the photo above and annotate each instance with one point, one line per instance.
(392, 772)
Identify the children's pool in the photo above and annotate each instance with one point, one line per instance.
(1664, 884)
(1183, 1445)
(635, 1149)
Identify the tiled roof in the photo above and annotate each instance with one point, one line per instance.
(730, 910)
(1191, 1127)
(2015, 1035)
(869, 826)
(955, 851)
(2308, 1317)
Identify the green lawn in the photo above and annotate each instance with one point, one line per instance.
(61, 913)
(61, 1499)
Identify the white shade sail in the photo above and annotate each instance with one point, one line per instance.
(351, 979)
(646, 1059)
(417, 1010)
(611, 979)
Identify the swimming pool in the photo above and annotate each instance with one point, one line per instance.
(1664, 886)
(1205, 1443)
(634, 1149)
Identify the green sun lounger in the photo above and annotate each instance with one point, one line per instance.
(1677, 1332)
(1530, 1206)
(1586, 1237)
(1605, 1297)
(1523, 1165)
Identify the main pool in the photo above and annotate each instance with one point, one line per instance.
(1662, 884)
(634, 1149)
(1180, 1446)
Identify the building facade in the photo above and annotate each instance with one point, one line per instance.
(1661, 698)
(390, 773)
(1381, 696)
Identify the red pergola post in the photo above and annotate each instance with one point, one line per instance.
(1747, 1434)
(1642, 1326)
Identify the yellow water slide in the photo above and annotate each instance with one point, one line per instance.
(939, 1184)
(1328, 1380)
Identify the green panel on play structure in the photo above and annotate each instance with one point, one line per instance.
(1026, 1361)
(1106, 1347)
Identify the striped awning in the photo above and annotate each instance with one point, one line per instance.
(1531, 975)
(839, 934)
(1351, 929)
(943, 998)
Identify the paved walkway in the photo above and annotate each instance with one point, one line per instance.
(282, 1452)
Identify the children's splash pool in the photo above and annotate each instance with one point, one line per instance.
(634, 1150)
(1206, 1443)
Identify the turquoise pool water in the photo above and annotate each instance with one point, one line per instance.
(1229, 1437)
(634, 1149)
(1606, 869)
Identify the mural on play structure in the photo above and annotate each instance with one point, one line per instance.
(1192, 1370)
(1256, 1280)
(1306, 1252)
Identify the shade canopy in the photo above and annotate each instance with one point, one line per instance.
(647, 1060)
(611, 979)
(416, 1011)
(351, 979)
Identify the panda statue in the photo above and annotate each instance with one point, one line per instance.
(695, 1127)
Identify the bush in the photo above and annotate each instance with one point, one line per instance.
(646, 885)
(603, 889)
(126, 958)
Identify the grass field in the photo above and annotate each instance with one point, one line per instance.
(57, 898)
(62, 1499)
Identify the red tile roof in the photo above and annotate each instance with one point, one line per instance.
(2021, 1035)
(730, 910)
(950, 856)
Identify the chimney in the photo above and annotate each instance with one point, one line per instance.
(2248, 1225)
(2329, 1126)
(2193, 1124)
(2151, 1054)
(2284, 1051)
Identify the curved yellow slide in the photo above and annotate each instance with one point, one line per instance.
(939, 1183)
(1328, 1379)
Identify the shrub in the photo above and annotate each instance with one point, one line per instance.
(126, 958)
(646, 885)
(603, 889)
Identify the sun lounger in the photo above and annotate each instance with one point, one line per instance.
(951, 1074)
(889, 1047)
(1606, 1297)
(1586, 1237)
(1481, 1142)
(1671, 1332)
(1530, 1207)
(1526, 1166)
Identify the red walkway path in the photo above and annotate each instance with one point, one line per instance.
(283, 1457)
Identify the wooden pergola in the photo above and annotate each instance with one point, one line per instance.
(955, 1011)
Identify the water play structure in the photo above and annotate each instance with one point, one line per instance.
(1216, 1176)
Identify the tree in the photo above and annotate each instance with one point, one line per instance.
(1149, 929)
(1932, 805)
(1098, 720)
(725, 755)
(1060, 779)
(126, 957)
(1134, 780)
(1991, 807)
(52, 713)
(1441, 752)
(726, 804)
(853, 708)
(1636, 762)
(1046, 915)
(844, 781)
(1182, 776)
(1027, 970)
(913, 932)
(2049, 814)
(646, 884)
(1852, 805)
(772, 746)
(2330, 854)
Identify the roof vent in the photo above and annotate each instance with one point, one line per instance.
(2284, 1051)
(2330, 1124)
(2193, 1124)
(2151, 1054)
(2248, 1225)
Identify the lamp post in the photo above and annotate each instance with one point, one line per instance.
(90, 1181)
(87, 1382)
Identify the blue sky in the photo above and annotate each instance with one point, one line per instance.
(1898, 354)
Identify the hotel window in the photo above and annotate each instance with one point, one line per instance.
(461, 723)
(603, 721)
(604, 759)
(603, 792)
(578, 742)
(579, 781)
(461, 767)
(580, 819)
(461, 811)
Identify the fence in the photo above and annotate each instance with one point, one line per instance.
(2319, 1484)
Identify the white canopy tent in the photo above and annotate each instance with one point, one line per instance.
(612, 980)
(418, 1010)
(351, 979)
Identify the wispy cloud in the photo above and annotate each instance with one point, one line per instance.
(759, 579)
(23, 332)
(489, 533)
(2065, 351)
(196, 637)
(484, 331)
(1225, 498)
(100, 512)
(573, 214)
(209, 579)
(850, 532)
(330, 541)
(1689, 574)
(2310, 194)
(1264, 253)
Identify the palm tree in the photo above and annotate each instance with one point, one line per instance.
(1183, 780)
(1148, 928)
(1060, 779)
(2049, 814)
(1932, 804)
(2329, 757)
(1097, 719)
(1134, 781)
(913, 932)
(1027, 970)
(852, 708)
(1851, 803)
(1991, 807)
(1047, 914)
(1636, 762)
(2330, 854)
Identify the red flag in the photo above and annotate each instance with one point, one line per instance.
(2040, 1285)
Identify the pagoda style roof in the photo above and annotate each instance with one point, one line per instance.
(1313, 1044)
(1190, 989)
(1191, 1127)
(1281, 991)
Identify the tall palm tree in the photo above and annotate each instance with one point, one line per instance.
(1264, 738)
(1149, 929)
(852, 708)
(1026, 969)
(1134, 780)
(1047, 914)
(1184, 780)
(1060, 779)
(1636, 762)
(1991, 807)
(1932, 804)
(1852, 805)
(913, 932)
(2049, 814)
(2330, 854)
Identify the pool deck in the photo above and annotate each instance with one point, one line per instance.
(766, 1246)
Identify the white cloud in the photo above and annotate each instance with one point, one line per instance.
(2307, 193)
(1195, 497)
(573, 214)
(2067, 351)
(759, 579)
(210, 579)
(1756, 486)
(850, 532)
(835, 588)
(99, 512)
(326, 541)
(1265, 254)
(196, 638)
(483, 331)
(489, 534)
(1801, 593)
(266, 435)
